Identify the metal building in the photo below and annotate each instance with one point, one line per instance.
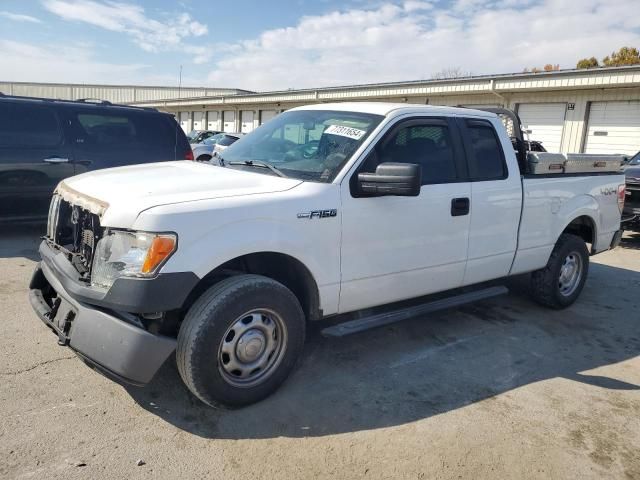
(110, 93)
(593, 111)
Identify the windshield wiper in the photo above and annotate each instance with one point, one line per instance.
(258, 163)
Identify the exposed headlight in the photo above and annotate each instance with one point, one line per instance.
(130, 254)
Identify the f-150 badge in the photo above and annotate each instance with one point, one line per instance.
(319, 214)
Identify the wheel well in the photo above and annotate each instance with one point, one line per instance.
(280, 267)
(583, 227)
(204, 156)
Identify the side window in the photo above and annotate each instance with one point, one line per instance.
(154, 129)
(486, 158)
(100, 129)
(428, 145)
(23, 125)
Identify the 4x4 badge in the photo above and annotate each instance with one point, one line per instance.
(319, 214)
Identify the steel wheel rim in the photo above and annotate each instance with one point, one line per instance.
(252, 348)
(570, 274)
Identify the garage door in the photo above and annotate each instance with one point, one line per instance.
(545, 123)
(185, 121)
(614, 127)
(246, 119)
(266, 115)
(212, 120)
(229, 121)
(198, 120)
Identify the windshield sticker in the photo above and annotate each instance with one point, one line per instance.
(349, 132)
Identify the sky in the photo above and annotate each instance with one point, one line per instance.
(282, 44)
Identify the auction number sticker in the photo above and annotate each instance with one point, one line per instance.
(349, 132)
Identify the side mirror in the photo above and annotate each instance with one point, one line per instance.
(400, 179)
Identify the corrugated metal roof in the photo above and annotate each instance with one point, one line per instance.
(112, 93)
(548, 81)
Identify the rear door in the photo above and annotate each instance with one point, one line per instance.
(110, 137)
(34, 158)
(496, 200)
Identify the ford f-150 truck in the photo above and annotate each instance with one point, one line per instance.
(325, 211)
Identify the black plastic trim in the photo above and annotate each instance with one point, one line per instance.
(166, 291)
(113, 346)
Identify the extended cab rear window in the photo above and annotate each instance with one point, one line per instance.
(484, 151)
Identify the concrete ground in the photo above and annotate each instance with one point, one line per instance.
(500, 389)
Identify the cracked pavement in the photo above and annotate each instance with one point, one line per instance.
(499, 389)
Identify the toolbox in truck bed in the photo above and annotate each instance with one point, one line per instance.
(544, 163)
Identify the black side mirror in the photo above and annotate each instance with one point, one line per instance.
(400, 179)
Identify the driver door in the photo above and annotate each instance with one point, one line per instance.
(394, 247)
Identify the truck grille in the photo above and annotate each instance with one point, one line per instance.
(75, 231)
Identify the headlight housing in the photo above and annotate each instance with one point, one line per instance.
(130, 254)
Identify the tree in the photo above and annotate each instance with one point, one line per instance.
(588, 63)
(549, 67)
(451, 72)
(624, 56)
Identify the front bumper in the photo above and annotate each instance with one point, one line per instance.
(166, 291)
(104, 338)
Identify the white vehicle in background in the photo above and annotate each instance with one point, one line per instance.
(225, 142)
(203, 151)
(209, 148)
(328, 210)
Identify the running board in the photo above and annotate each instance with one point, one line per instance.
(361, 324)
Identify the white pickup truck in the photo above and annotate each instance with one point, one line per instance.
(327, 210)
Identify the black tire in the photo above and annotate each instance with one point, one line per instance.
(545, 283)
(207, 326)
(203, 158)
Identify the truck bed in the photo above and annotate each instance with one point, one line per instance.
(551, 202)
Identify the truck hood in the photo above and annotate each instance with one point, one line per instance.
(128, 191)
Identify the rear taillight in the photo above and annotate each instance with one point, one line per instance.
(188, 155)
(622, 191)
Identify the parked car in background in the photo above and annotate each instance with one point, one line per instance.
(203, 151)
(43, 141)
(222, 144)
(631, 214)
(198, 136)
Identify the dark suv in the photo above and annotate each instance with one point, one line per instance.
(43, 141)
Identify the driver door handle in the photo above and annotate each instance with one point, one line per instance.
(460, 207)
(56, 160)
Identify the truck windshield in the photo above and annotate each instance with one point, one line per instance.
(304, 144)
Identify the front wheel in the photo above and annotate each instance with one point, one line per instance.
(240, 340)
(559, 284)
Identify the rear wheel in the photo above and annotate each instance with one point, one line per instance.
(203, 158)
(240, 340)
(559, 284)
